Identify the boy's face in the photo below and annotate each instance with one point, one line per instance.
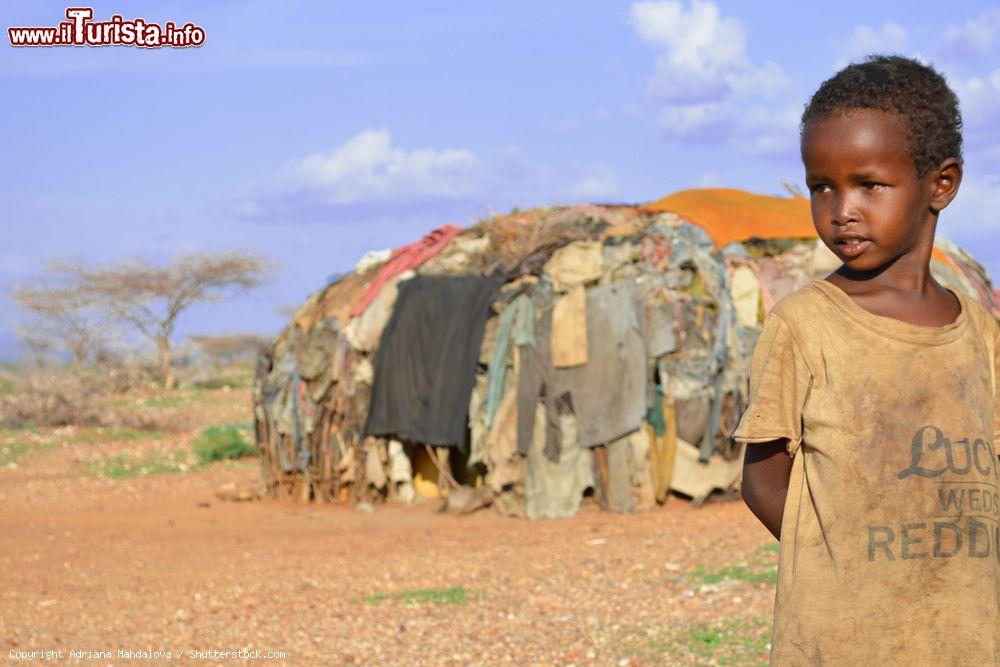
(868, 205)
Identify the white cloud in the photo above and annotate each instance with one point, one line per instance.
(700, 49)
(975, 208)
(979, 97)
(598, 182)
(972, 221)
(706, 85)
(772, 129)
(973, 38)
(711, 179)
(369, 176)
(866, 40)
(368, 167)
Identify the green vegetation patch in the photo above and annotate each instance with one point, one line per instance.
(453, 595)
(128, 464)
(738, 642)
(734, 573)
(732, 642)
(159, 402)
(104, 434)
(219, 443)
(11, 452)
(167, 401)
(8, 431)
(16, 442)
(234, 381)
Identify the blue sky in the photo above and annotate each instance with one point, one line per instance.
(314, 131)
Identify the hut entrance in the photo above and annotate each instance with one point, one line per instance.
(427, 462)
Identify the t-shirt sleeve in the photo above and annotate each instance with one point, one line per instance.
(779, 385)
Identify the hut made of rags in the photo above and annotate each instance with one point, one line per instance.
(540, 357)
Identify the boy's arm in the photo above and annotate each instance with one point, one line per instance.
(766, 469)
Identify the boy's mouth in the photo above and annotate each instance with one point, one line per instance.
(851, 246)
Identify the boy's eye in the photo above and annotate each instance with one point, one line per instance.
(872, 185)
(819, 188)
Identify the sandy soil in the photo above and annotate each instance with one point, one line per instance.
(158, 563)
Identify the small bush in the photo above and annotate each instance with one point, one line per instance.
(217, 443)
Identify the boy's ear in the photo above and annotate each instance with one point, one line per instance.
(945, 180)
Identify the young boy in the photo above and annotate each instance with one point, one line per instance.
(874, 411)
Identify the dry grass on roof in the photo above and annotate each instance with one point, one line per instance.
(335, 300)
(520, 234)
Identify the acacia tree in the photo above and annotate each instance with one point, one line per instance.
(151, 297)
(64, 319)
(225, 348)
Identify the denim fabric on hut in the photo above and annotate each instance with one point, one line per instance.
(608, 393)
(692, 244)
(537, 379)
(555, 489)
(281, 397)
(516, 323)
(658, 320)
(523, 332)
(719, 367)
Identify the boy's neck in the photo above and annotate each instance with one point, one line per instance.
(903, 289)
(909, 272)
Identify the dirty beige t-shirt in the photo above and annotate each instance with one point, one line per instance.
(890, 547)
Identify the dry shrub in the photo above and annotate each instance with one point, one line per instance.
(200, 376)
(71, 396)
(520, 234)
(53, 397)
(225, 349)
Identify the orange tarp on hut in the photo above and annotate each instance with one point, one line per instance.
(730, 215)
(735, 215)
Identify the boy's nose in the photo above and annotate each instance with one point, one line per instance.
(844, 212)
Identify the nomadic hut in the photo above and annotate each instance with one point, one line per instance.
(542, 356)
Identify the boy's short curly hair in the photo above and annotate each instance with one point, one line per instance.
(915, 91)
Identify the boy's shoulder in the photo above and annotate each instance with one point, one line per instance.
(978, 315)
(803, 306)
(816, 301)
(982, 320)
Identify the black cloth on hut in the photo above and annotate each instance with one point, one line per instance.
(425, 368)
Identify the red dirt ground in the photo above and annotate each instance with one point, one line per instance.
(158, 563)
